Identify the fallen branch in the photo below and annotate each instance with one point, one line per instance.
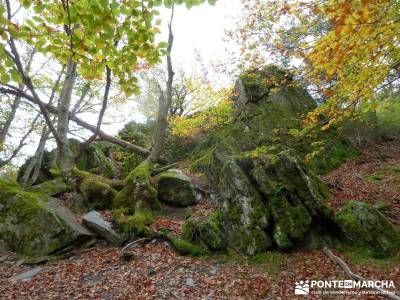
(126, 247)
(162, 169)
(347, 270)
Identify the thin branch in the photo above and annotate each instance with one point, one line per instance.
(102, 111)
(354, 276)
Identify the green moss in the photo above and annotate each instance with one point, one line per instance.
(184, 247)
(188, 229)
(134, 225)
(209, 231)
(51, 187)
(385, 172)
(96, 190)
(364, 256)
(129, 163)
(270, 262)
(363, 225)
(138, 190)
(32, 223)
(291, 221)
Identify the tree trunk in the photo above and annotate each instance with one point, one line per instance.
(164, 102)
(65, 158)
(29, 178)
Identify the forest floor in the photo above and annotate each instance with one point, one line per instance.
(157, 272)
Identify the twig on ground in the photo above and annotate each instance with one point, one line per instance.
(347, 270)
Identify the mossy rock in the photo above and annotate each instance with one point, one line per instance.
(97, 191)
(176, 189)
(210, 232)
(138, 191)
(183, 246)
(364, 225)
(136, 225)
(52, 187)
(34, 224)
(97, 159)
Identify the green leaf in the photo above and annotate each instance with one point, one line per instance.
(15, 76)
(26, 3)
(5, 78)
(162, 45)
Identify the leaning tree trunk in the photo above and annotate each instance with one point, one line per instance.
(164, 102)
(65, 159)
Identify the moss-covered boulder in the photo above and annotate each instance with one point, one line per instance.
(176, 189)
(34, 224)
(363, 225)
(97, 191)
(138, 191)
(270, 200)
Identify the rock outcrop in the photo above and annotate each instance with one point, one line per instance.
(176, 189)
(269, 201)
(35, 224)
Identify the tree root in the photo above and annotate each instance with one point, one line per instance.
(354, 276)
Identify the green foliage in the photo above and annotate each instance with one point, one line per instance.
(96, 34)
(211, 119)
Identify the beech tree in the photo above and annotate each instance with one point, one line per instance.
(95, 40)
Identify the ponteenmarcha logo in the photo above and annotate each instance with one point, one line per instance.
(306, 287)
(302, 288)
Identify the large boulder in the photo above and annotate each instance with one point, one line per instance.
(35, 224)
(176, 189)
(271, 200)
(363, 225)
